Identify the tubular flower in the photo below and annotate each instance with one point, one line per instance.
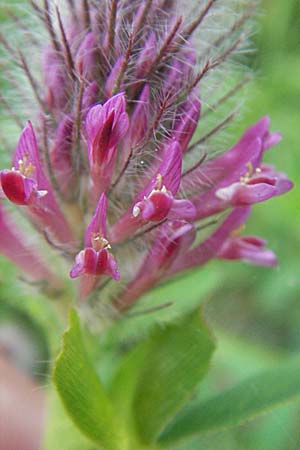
(105, 127)
(95, 259)
(112, 174)
(26, 184)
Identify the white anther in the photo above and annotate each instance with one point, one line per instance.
(136, 211)
(42, 193)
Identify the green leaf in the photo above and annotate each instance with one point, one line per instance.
(60, 428)
(252, 397)
(82, 393)
(123, 387)
(159, 376)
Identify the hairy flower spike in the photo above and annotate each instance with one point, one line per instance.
(112, 176)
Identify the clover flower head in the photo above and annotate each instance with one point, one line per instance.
(111, 169)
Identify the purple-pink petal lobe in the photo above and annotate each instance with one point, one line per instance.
(97, 227)
(168, 175)
(106, 125)
(92, 262)
(253, 188)
(209, 248)
(17, 188)
(249, 249)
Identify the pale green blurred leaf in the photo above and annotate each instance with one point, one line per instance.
(82, 393)
(60, 428)
(252, 397)
(161, 374)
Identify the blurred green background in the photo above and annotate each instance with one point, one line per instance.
(254, 312)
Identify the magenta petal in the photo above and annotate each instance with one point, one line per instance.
(26, 152)
(90, 261)
(259, 129)
(106, 264)
(117, 102)
(170, 168)
(26, 158)
(85, 263)
(17, 188)
(112, 268)
(168, 174)
(254, 193)
(182, 209)
(271, 139)
(145, 209)
(103, 140)
(94, 120)
(210, 247)
(249, 249)
(105, 126)
(239, 194)
(120, 129)
(78, 269)
(102, 261)
(156, 207)
(99, 114)
(98, 222)
(90, 265)
(255, 240)
(283, 184)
